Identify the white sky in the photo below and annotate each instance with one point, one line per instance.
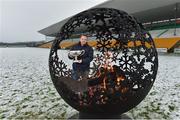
(21, 19)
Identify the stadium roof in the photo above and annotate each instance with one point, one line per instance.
(144, 10)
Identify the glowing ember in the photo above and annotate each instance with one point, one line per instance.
(124, 90)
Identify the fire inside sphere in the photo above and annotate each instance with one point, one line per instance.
(122, 70)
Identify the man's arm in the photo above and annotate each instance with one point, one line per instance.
(89, 58)
(70, 57)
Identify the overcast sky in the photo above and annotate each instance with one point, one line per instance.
(21, 19)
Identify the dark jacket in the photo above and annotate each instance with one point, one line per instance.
(87, 57)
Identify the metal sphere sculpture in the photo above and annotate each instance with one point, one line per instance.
(121, 73)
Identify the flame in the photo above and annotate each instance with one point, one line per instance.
(119, 79)
(104, 83)
(108, 68)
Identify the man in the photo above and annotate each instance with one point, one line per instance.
(82, 65)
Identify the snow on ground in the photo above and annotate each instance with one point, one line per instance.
(26, 90)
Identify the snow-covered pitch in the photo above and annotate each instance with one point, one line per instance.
(26, 90)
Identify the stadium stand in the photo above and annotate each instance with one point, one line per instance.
(162, 20)
(165, 33)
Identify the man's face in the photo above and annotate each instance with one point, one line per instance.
(83, 40)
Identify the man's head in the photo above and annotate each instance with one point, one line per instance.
(83, 39)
